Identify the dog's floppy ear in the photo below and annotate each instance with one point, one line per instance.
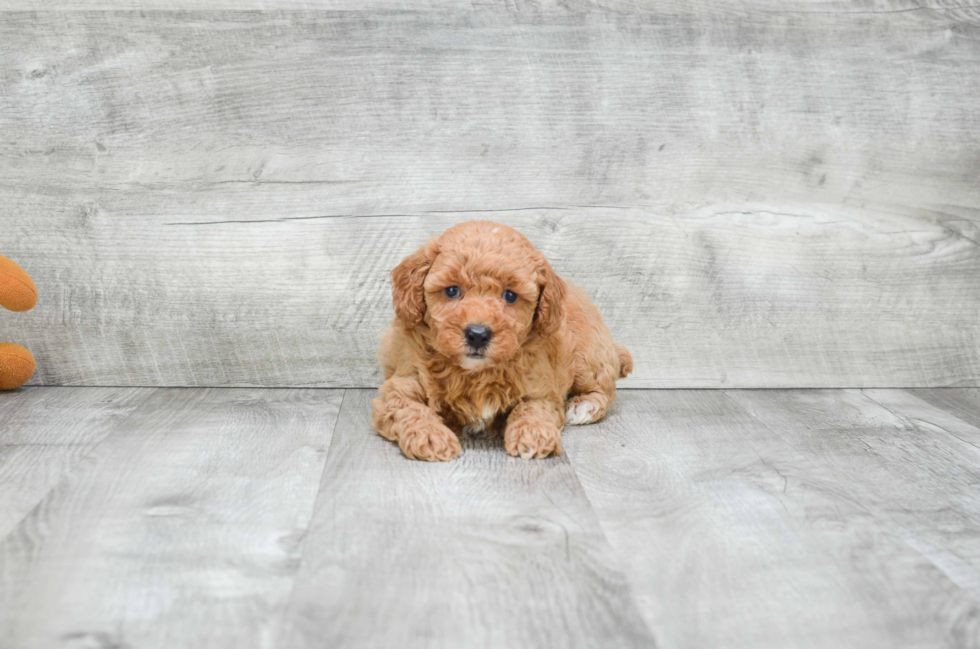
(551, 299)
(406, 283)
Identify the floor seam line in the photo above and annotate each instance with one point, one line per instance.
(306, 533)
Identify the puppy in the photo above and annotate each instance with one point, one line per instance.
(488, 337)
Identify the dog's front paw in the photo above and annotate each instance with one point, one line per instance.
(430, 442)
(532, 439)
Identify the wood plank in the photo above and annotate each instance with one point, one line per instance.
(946, 473)
(774, 525)
(45, 432)
(918, 9)
(756, 213)
(911, 467)
(28, 473)
(955, 8)
(487, 551)
(330, 113)
(722, 300)
(62, 416)
(918, 412)
(961, 402)
(181, 529)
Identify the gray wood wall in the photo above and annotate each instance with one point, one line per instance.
(757, 194)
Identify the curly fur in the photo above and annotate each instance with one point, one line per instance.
(551, 359)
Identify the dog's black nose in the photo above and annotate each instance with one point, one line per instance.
(477, 336)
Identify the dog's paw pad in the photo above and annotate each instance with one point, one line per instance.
(580, 413)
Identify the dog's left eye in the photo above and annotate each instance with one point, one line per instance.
(510, 297)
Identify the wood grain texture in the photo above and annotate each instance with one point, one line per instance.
(44, 432)
(182, 529)
(487, 551)
(787, 518)
(801, 518)
(913, 470)
(752, 202)
(961, 402)
(934, 8)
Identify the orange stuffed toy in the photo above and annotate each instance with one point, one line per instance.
(17, 293)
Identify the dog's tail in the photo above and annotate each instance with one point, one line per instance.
(625, 361)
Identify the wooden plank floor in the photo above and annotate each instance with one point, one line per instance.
(276, 518)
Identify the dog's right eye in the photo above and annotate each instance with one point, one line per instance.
(452, 292)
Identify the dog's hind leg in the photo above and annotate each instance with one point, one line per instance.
(586, 408)
(597, 361)
(592, 392)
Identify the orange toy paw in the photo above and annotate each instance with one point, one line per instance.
(17, 290)
(16, 366)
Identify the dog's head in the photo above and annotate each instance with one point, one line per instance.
(482, 289)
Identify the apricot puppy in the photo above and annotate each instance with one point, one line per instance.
(486, 337)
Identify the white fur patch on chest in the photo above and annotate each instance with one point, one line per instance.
(481, 425)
